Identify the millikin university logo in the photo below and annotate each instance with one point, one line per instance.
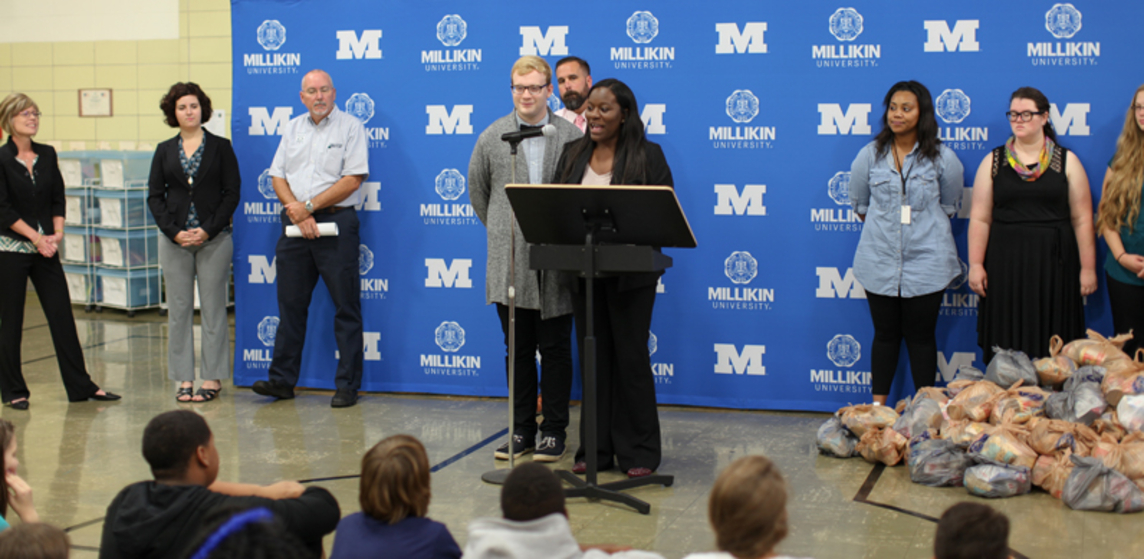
(264, 212)
(643, 27)
(741, 267)
(266, 185)
(843, 350)
(267, 330)
(742, 106)
(360, 106)
(451, 30)
(952, 106)
(1063, 21)
(271, 35)
(838, 187)
(449, 337)
(450, 184)
(846, 24)
(365, 260)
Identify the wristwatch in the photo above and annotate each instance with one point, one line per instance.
(310, 206)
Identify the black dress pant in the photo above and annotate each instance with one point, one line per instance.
(300, 262)
(1127, 302)
(627, 419)
(48, 278)
(895, 318)
(553, 338)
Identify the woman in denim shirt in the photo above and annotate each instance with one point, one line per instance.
(905, 186)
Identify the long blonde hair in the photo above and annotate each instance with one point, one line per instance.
(1120, 202)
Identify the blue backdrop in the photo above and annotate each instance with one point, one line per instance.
(760, 108)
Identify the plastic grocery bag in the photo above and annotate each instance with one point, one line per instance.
(1050, 435)
(1116, 385)
(1084, 402)
(992, 480)
(863, 417)
(962, 431)
(1021, 402)
(921, 414)
(966, 375)
(1094, 486)
(974, 402)
(1125, 456)
(1050, 472)
(1004, 443)
(1096, 349)
(1130, 412)
(937, 462)
(1055, 369)
(882, 444)
(938, 395)
(835, 440)
(1010, 366)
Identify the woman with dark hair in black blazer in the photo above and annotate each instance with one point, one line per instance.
(31, 228)
(194, 190)
(615, 151)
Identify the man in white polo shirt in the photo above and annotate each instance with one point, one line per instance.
(320, 163)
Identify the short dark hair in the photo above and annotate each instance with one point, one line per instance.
(171, 439)
(231, 532)
(34, 541)
(178, 91)
(1033, 94)
(583, 63)
(531, 491)
(971, 531)
(395, 480)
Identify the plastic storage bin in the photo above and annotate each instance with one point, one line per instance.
(80, 245)
(123, 208)
(108, 169)
(81, 207)
(129, 288)
(128, 249)
(83, 284)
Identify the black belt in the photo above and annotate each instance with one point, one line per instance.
(333, 209)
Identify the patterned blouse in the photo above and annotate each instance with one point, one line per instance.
(190, 167)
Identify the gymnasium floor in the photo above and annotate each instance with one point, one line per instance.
(78, 456)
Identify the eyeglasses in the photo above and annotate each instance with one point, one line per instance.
(1024, 116)
(30, 114)
(533, 89)
(1138, 108)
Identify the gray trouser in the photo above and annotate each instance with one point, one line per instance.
(211, 263)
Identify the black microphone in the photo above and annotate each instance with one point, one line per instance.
(517, 136)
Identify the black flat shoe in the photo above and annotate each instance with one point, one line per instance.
(20, 405)
(105, 397)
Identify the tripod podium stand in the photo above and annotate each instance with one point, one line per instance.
(600, 231)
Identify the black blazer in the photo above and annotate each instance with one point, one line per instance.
(658, 174)
(216, 189)
(35, 203)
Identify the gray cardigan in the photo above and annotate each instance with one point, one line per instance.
(489, 170)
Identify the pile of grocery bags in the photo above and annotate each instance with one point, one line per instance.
(1071, 423)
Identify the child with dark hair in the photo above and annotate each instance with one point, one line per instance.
(535, 523)
(246, 534)
(14, 491)
(394, 495)
(160, 519)
(971, 531)
(34, 541)
(747, 510)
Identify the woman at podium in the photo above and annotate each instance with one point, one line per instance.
(615, 151)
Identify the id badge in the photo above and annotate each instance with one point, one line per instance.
(905, 215)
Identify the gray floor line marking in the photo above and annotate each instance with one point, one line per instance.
(84, 525)
(868, 487)
(36, 326)
(131, 337)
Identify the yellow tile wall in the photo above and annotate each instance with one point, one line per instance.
(138, 72)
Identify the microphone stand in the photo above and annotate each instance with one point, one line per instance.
(497, 476)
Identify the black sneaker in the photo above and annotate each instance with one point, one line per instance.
(520, 447)
(549, 449)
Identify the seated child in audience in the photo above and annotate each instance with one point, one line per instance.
(14, 491)
(233, 533)
(160, 519)
(34, 541)
(394, 496)
(971, 531)
(747, 510)
(535, 523)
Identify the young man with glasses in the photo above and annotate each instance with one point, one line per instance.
(543, 304)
